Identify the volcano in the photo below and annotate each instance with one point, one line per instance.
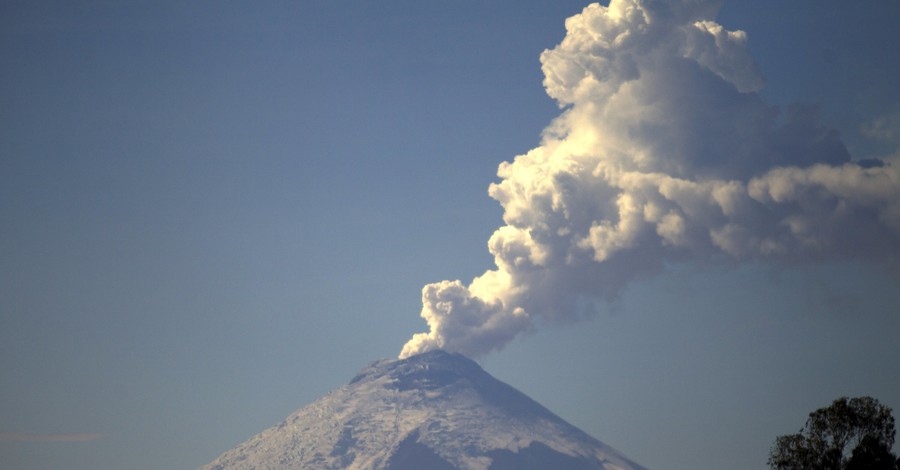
(436, 411)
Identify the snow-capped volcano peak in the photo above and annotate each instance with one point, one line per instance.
(435, 410)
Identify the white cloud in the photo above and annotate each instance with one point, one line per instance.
(663, 152)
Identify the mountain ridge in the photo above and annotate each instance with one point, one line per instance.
(435, 410)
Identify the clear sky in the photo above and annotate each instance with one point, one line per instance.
(213, 213)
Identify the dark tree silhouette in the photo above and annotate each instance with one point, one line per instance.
(851, 434)
(871, 454)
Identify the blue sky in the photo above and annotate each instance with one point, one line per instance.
(211, 215)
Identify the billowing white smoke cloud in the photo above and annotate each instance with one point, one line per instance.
(664, 152)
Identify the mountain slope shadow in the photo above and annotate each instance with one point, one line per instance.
(537, 456)
(412, 455)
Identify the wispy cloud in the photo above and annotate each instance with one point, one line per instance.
(29, 437)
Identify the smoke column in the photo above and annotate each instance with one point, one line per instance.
(663, 152)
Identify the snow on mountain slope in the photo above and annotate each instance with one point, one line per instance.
(435, 411)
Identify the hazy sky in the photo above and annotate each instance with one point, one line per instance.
(213, 213)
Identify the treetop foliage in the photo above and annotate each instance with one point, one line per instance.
(851, 434)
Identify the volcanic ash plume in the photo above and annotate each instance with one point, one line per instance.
(663, 153)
